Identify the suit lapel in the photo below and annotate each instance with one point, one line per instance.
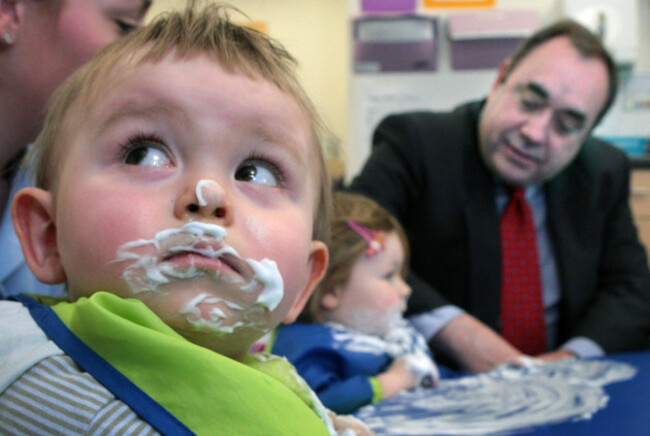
(569, 220)
(484, 246)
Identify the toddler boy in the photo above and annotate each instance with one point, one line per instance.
(181, 196)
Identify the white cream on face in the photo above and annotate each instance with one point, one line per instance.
(149, 270)
(216, 316)
(266, 272)
(198, 190)
(376, 322)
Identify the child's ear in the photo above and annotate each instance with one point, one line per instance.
(317, 264)
(331, 298)
(32, 215)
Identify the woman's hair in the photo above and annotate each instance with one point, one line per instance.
(347, 245)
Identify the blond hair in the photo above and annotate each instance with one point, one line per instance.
(200, 29)
(347, 246)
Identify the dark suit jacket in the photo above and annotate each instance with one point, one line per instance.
(425, 168)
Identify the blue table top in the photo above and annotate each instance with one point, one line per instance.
(599, 397)
(628, 410)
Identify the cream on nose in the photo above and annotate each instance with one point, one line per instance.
(208, 192)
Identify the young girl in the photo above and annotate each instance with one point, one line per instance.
(353, 346)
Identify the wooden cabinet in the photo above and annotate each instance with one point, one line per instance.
(640, 203)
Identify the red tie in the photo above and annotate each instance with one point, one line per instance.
(522, 311)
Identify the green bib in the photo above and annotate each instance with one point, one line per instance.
(208, 392)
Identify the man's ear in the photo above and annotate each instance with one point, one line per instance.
(9, 20)
(317, 264)
(501, 73)
(32, 215)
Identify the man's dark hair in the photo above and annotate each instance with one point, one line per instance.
(588, 44)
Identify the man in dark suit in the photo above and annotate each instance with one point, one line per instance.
(446, 177)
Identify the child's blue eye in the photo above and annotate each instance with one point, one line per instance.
(260, 172)
(145, 152)
(147, 156)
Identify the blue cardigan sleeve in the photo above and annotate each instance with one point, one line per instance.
(325, 373)
(342, 377)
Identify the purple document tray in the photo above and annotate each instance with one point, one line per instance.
(485, 39)
(379, 6)
(395, 43)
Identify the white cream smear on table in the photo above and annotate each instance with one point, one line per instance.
(149, 271)
(500, 401)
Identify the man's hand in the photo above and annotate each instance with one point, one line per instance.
(556, 355)
(474, 345)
